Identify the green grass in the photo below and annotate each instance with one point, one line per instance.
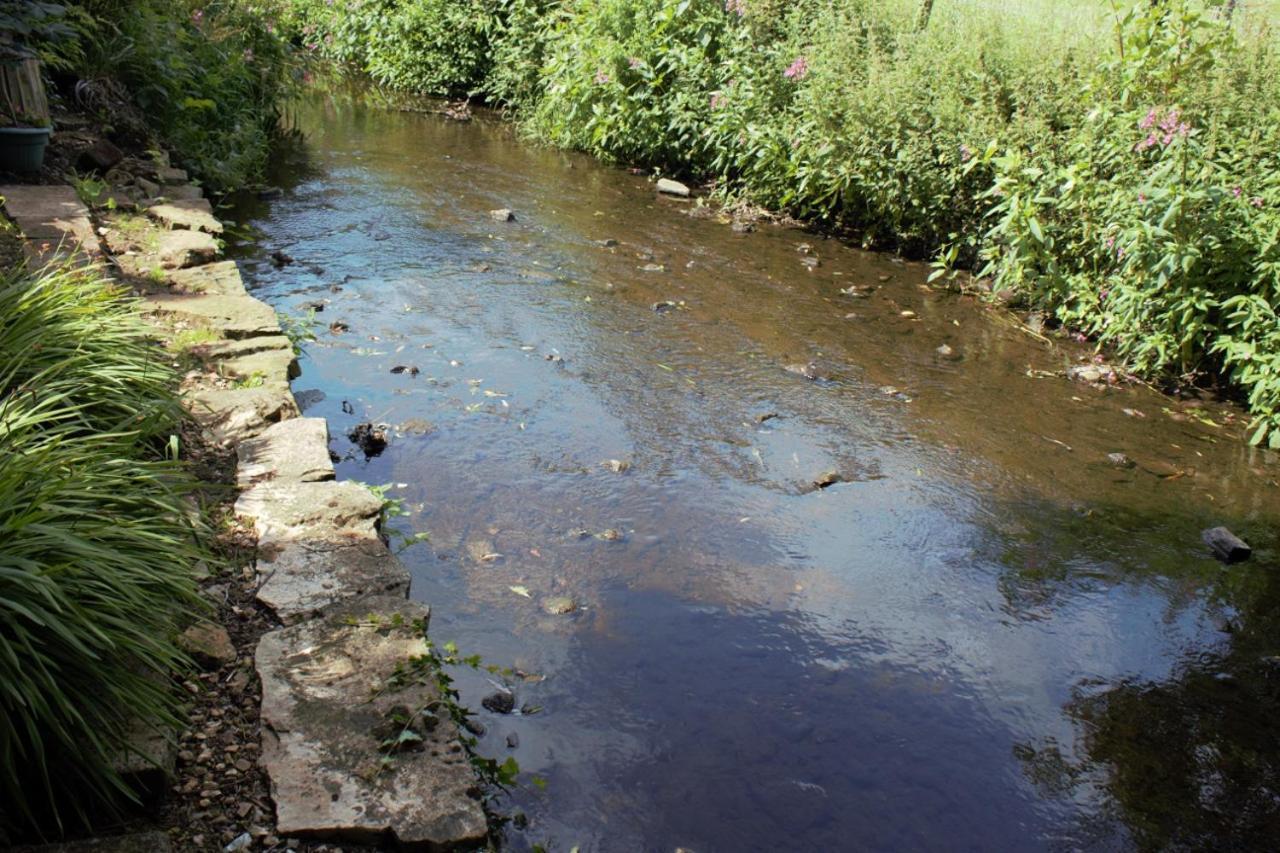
(96, 542)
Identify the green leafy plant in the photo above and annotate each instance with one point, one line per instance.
(95, 541)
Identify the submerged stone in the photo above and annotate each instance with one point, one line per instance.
(670, 187)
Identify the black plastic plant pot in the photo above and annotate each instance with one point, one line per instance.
(22, 148)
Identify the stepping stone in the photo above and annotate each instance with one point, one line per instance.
(51, 214)
(233, 316)
(292, 451)
(180, 249)
(191, 214)
(281, 512)
(181, 192)
(269, 365)
(234, 414)
(217, 279)
(171, 175)
(225, 349)
(304, 578)
(330, 703)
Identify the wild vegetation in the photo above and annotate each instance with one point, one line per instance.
(205, 79)
(96, 542)
(1117, 169)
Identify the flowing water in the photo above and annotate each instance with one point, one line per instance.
(985, 636)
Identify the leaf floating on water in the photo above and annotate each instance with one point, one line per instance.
(521, 590)
(1133, 413)
(489, 393)
(474, 407)
(491, 557)
(665, 367)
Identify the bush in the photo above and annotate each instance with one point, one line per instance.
(1014, 143)
(95, 541)
(208, 78)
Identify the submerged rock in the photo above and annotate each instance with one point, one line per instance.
(946, 353)
(370, 438)
(1120, 460)
(808, 371)
(499, 702)
(559, 605)
(502, 214)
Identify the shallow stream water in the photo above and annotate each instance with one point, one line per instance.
(985, 636)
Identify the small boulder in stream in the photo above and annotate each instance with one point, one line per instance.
(667, 186)
(499, 702)
(808, 371)
(370, 438)
(1226, 546)
(502, 214)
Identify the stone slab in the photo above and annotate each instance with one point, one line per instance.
(282, 512)
(328, 706)
(234, 414)
(181, 192)
(189, 214)
(270, 365)
(301, 579)
(221, 278)
(50, 214)
(292, 451)
(233, 316)
(181, 249)
(240, 347)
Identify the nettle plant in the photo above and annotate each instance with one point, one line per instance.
(1153, 223)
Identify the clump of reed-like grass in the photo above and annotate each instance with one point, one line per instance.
(96, 542)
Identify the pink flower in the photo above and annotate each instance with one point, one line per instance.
(1142, 198)
(197, 17)
(717, 100)
(634, 62)
(601, 78)
(1256, 201)
(1236, 191)
(1110, 241)
(247, 56)
(1150, 120)
(738, 7)
(965, 153)
(798, 69)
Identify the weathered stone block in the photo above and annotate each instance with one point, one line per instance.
(233, 316)
(303, 578)
(191, 214)
(290, 511)
(181, 249)
(329, 702)
(234, 414)
(216, 279)
(292, 451)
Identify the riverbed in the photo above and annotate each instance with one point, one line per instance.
(908, 601)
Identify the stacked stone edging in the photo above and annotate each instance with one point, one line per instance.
(329, 685)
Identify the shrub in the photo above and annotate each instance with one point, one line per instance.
(95, 541)
(208, 78)
(1013, 143)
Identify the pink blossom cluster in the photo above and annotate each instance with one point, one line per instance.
(634, 62)
(1162, 128)
(737, 7)
(717, 100)
(797, 70)
(601, 78)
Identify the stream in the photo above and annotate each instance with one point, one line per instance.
(981, 632)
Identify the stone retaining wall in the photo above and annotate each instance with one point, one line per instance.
(331, 685)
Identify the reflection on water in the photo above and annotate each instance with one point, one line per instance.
(982, 635)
